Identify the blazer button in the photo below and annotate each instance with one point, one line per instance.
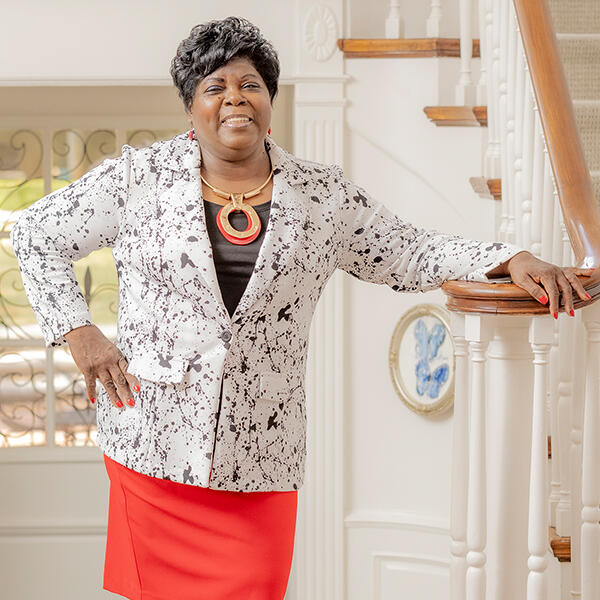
(226, 335)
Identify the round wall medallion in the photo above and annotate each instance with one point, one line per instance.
(421, 359)
(320, 32)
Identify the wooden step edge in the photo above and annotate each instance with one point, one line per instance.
(457, 116)
(403, 47)
(561, 546)
(487, 188)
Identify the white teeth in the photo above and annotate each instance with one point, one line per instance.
(236, 120)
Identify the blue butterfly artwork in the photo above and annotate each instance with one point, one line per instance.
(427, 345)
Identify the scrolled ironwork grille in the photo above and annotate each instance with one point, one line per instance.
(43, 399)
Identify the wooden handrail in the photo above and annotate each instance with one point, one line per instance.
(581, 213)
(580, 210)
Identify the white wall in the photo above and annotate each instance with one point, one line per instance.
(113, 40)
(399, 463)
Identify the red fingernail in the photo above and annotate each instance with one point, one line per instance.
(136, 388)
(92, 400)
(130, 402)
(572, 312)
(543, 299)
(587, 296)
(556, 315)
(119, 404)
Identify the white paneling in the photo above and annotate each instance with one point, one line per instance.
(77, 575)
(396, 555)
(408, 575)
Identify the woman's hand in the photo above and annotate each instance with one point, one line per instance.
(98, 358)
(527, 271)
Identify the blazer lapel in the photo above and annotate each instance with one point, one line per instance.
(282, 234)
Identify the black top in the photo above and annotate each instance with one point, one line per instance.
(234, 263)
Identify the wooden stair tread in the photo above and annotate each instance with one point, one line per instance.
(457, 116)
(561, 546)
(491, 188)
(403, 47)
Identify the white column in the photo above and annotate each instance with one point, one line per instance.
(319, 559)
(465, 90)
(478, 330)
(508, 445)
(590, 491)
(434, 22)
(460, 460)
(541, 334)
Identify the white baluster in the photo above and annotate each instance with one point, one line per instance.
(541, 333)
(527, 161)
(394, 24)
(553, 404)
(576, 452)
(460, 461)
(434, 22)
(502, 14)
(590, 493)
(465, 90)
(478, 332)
(561, 445)
(547, 206)
(518, 140)
(485, 51)
(510, 122)
(537, 192)
(493, 158)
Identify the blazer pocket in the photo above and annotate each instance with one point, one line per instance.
(158, 368)
(274, 387)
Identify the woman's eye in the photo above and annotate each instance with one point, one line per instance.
(218, 87)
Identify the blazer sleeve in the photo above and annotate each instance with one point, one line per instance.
(62, 227)
(377, 246)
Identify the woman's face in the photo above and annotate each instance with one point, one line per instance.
(236, 88)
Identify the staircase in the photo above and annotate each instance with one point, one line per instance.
(526, 523)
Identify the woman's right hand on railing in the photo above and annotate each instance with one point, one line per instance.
(98, 358)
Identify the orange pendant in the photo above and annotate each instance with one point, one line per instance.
(229, 232)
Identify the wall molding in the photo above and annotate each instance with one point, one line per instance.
(158, 81)
(380, 559)
(56, 455)
(54, 529)
(381, 519)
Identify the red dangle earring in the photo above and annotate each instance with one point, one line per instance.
(191, 134)
(269, 132)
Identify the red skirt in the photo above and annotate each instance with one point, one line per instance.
(169, 540)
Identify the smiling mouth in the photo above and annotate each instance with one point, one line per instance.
(237, 122)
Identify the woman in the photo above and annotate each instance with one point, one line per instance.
(206, 455)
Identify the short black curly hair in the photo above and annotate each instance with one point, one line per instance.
(212, 44)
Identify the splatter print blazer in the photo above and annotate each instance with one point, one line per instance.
(173, 326)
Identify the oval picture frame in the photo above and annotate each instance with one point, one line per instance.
(422, 361)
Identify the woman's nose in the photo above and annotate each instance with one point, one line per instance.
(234, 97)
